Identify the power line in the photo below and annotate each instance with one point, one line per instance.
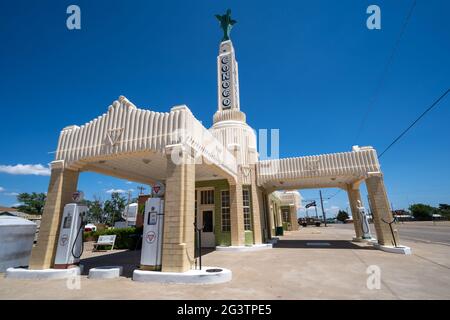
(384, 73)
(415, 121)
(334, 194)
(403, 133)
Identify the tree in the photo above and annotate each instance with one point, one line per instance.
(31, 203)
(444, 210)
(114, 207)
(422, 211)
(342, 216)
(95, 211)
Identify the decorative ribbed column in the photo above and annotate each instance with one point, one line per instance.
(63, 183)
(381, 210)
(178, 241)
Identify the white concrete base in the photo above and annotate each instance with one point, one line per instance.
(399, 249)
(371, 240)
(273, 240)
(109, 272)
(254, 247)
(190, 277)
(30, 274)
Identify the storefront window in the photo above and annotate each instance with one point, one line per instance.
(225, 208)
(246, 208)
(207, 197)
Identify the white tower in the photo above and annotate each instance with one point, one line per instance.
(230, 125)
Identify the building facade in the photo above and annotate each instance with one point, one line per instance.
(211, 175)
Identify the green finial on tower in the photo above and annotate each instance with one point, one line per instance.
(226, 23)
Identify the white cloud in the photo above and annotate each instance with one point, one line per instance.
(26, 169)
(118, 191)
(129, 182)
(333, 210)
(115, 191)
(12, 194)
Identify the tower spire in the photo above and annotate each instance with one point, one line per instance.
(228, 78)
(228, 107)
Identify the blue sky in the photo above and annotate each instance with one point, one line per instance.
(309, 68)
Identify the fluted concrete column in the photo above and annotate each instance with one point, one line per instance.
(293, 218)
(236, 215)
(63, 183)
(381, 209)
(270, 212)
(178, 242)
(265, 224)
(353, 197)
(256, 208)
(279, 217)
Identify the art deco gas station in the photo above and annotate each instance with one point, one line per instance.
(209, 175)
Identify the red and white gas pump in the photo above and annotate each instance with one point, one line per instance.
(152, 236)
(70, 241)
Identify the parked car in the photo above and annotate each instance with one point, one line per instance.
(90, 227)
(304, 222)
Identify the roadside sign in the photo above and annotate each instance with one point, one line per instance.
(158, 189)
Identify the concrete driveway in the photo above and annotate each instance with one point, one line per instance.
(312, 263)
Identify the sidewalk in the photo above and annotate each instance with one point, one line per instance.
(312, 263)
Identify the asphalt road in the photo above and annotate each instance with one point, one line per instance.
(439, 232)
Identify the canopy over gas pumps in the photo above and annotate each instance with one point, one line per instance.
(176, 149)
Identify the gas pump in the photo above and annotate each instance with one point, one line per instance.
(364, 221)
(152, 237)
(70, 241)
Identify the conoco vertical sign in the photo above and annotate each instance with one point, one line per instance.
(225, 85)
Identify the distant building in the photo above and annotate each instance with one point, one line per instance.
(402, 215)
(13, 212)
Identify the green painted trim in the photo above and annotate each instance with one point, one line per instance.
(249, 238)
(223, 238)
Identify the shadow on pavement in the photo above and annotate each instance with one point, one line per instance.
(320, 244)
(128, 260)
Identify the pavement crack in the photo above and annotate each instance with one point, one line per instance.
(431, 261)
(382, 281)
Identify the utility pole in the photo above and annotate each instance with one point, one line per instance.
(127, 208)
(323, 211)
(141, 189)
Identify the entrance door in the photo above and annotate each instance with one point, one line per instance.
(207, 221)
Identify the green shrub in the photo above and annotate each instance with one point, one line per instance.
(422, 212)
(89, 236)
(126, 238)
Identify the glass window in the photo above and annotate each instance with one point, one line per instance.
(207, 197)
(246, 208)
(225, 210)
(285, 215)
